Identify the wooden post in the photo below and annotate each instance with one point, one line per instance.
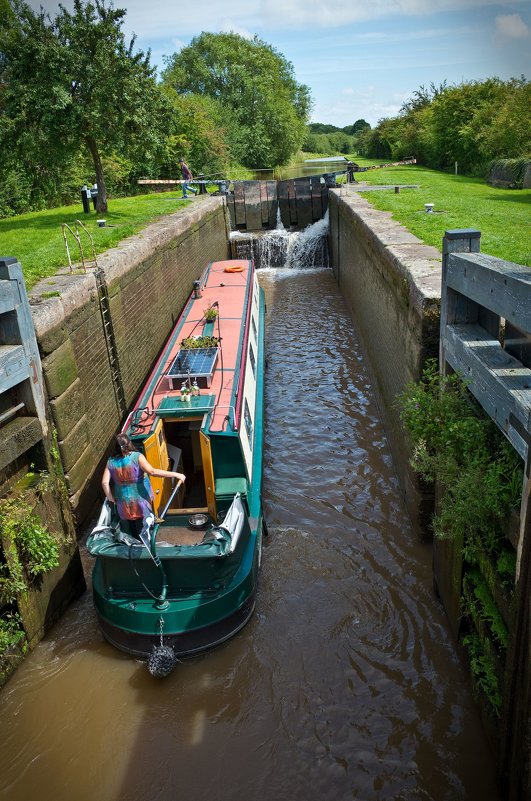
(515, 762)
(455, 308)
(447, 556)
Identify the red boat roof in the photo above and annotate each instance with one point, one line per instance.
(227, 284)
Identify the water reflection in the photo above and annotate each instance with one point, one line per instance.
(344, 685)
(301, 169)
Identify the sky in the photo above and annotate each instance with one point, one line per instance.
(360, 58)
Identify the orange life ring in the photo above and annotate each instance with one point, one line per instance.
(235, 269)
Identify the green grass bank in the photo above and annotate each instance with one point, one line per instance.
(502, 216)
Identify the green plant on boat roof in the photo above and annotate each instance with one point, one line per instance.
(191, 343)
(210, 314)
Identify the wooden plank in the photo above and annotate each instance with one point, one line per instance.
(232, 211)
(14, 367)
(272, 192)
(240, 219)
(518, 343)
(7, 296)
(316, 191)
(253, 206)
(500, 286)
(304, 202)
(268, 199)
(283, 201)
(499, 382)
(292, 202)
(454, 307)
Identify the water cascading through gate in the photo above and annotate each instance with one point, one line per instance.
(279, 247)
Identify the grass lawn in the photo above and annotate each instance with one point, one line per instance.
(502, 215)
(36, 239)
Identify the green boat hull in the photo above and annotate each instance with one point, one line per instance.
(194, 615)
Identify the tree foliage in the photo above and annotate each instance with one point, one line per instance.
(196, 132)
(73, 81)
(265, 108)
(326, 138)
(471, 124)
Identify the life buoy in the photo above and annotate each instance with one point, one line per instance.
(236, 269)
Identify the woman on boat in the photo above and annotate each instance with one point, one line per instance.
(131, 490)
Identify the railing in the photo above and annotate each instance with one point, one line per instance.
(202, 183)
(486, 337)
(74, 232)
(485, 323)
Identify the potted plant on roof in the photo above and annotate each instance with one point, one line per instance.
(194, 343)
(210, 313)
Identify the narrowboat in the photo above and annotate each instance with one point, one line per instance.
(190, 581)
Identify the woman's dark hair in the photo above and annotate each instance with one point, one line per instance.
(123, 445)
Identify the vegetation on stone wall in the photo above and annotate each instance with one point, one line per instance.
(480, 479)
(11, 632)
(29, 547)
(508, 173)
(461, 448)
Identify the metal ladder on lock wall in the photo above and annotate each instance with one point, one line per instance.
(110, 341)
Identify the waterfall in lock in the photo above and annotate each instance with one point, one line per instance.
(282, 248)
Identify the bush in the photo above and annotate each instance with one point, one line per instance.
(456, 444)
(508, 173)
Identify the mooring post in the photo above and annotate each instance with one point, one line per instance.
(454, 307)
(447, 555)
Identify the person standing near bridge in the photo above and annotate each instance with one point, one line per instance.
(187, 175)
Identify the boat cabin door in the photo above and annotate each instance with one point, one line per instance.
(156, 452)
(208, 472)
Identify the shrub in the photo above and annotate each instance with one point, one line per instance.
(456, 444)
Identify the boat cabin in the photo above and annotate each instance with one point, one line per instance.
(197, 414)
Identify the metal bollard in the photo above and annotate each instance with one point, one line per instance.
(85, 198)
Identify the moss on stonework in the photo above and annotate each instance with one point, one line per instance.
(60, 369)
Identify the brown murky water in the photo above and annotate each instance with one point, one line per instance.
(343, 686)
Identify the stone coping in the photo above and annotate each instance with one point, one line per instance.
(415, 262)
(78, 288)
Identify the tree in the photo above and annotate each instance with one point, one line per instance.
(453, 114)
(265, 108)
(503, 130)
(196, 133)
(74, 81)
(356, 128)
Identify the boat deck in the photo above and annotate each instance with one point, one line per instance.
(177, 535)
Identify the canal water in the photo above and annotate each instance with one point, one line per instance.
(344, 685)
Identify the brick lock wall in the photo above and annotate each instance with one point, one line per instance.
(148, 279)
(391, 283)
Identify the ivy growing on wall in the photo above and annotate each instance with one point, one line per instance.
(457, 445)
(480, 475)
(29, 547)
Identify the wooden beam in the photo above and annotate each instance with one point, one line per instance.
(499, 381)
(500, 286)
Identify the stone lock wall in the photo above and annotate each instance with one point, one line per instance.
(391, 282)
(136, 296)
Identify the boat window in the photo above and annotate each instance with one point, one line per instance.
(254, 327)
(252, 359)
(248, 423)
